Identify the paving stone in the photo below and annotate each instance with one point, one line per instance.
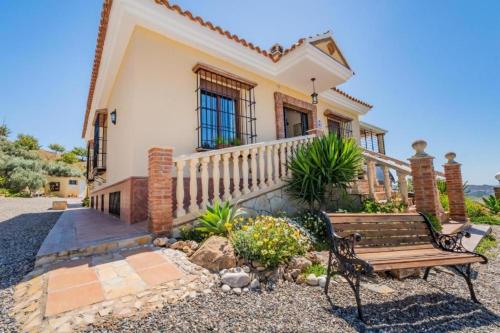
(378, 288)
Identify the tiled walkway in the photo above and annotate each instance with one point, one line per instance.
(79, 229)
(67, 295)
(83, 282)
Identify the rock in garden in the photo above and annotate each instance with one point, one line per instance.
(171, 241)
(246, 269)
(160, 241)
(237, 291)
(179, 245)
(312, 280)
(322, 281)
(193, 245)
(226, 288)
(300, 279)
(255, 284)
(300, 263)
(378, 288)
(215, 254)
(294, 273)
(236, 280)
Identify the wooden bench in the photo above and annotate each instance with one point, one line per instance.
(366, 243)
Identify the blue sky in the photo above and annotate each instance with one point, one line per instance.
(431, 68)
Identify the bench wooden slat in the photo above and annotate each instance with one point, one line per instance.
(400, 247)
(393, 240)
(378, 234)
(375, 218)
(380, 226)
(409, 254)
(428, 263)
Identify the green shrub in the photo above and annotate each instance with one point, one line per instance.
(86, 202)
(318, 169)
(219, 219)
(475, 209)
(372, 206)
(270, 240)
(493, 204)
(441, 185)
(316, 269)
(69, 158)
(190, 233)
(443, 198)
(487, 243)
(435, 223)
(486, 219)
(313, 224)
(59, 169)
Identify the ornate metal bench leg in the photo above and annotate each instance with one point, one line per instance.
(329, 272)
(426, 274)
(465, 271)
(358, 300)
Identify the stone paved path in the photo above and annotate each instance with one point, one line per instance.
(69, 294)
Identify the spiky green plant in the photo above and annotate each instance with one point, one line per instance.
(317, 169)
(219, 219)
(492, 203)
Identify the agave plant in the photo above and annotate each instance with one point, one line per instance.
(326, 164)
(219, 219)
(492, 203)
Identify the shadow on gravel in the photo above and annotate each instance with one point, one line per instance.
(435, 312)
(20, 240)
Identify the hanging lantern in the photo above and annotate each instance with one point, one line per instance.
(314, 95)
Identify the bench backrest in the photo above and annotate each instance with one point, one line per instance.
(383, 230)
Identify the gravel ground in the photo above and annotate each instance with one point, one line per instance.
(24, 224)
(440, 305)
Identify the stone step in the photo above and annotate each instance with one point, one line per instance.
(477, 232)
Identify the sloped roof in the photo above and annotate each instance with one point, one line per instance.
(101, 36)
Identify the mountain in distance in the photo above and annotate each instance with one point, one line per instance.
(478, 191)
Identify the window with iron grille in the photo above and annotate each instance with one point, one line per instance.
(100, 142)
(114, 203)
(55, 186)
(372, 141)
(72, 182)
(225, 109)
(340, 126)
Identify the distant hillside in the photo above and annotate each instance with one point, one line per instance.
(478, 191)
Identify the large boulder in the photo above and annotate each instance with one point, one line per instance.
(236, 279)
(300, 263)
(215, 254)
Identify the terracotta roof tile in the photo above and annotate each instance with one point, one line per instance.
(354, 99)
(106, 10)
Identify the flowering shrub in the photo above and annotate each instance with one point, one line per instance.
(314, 225)
(270, 240)
(371, 206)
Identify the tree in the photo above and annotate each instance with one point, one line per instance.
(20, 179)
(57, 148)
(4, 131)
(80, 152)
(59, 169)
(69, 158)
(28, 142)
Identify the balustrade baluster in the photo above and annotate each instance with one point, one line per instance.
(370, 171)
(276, 164)
(403, 187)
(283, 160)
(269, 168)
(225, 176)
(253, 166)
(193, 186)
(262, 168)
(289, 147)
(244, 171)
(216, 177)
(236, 174)
(204, 182)
(179, 191)
(387, 183)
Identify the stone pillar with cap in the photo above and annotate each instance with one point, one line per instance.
(424, 182)
(455, 188)
(497, 188)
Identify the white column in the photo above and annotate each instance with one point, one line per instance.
(236, 174)
(204, 182)
(244, 170)
(253, 166)
(371, 178)
(387, 183)
(283, 160)
(403, 187)
(262, 168)
(288, 157)
(269, 168)
(276, 164)
(216, 177)
(179, 191)
(193, 186)
(225, 177)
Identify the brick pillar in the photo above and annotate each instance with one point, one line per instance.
(424, 182)
(160, 210)
(455, 189)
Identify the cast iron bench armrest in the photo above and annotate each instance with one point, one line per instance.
(451, 242)
(343, 248)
